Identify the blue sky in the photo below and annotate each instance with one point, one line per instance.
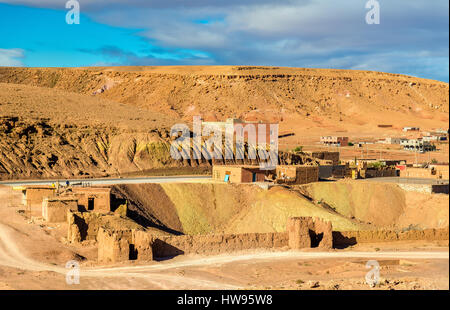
(412, 37)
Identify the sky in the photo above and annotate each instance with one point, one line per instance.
(412, 36)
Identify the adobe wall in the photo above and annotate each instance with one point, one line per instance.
(325, 171)
(238, 174)
(440, 189)
(425, 188)
(166, 246)
(307, 174)
(302, 232)
(54, 209)
(418, 173)
(123, 245)
(297, 174)
(83, 226)
(442, 171)
(34, 197)
(247, 175)
(307, 232)
(325, 155)
(219, 173)
(380, 173)
(340, 171)
(344, 238)
(101, 196)
(113, 246)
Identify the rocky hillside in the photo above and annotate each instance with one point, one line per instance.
(53, 133)
(108, 121)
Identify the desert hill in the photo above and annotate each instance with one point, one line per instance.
(105, 120)
(339, 97)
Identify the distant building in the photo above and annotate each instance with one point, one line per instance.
(434, 138)
(334, 140)
(411, 129)
(238, 173)
(297, 174)
(240, 127)
(418, 145)
(392, 140)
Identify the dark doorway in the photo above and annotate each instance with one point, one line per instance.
(254, 177)
(90, 203)
(315, 238)
(133, 253)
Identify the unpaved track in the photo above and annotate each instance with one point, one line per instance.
(113, 181)
(12, 256)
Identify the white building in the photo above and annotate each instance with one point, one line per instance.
(393, 140)
(411, 129)
(418, 145)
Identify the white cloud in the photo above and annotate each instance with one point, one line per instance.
(11, 57)
(412, 37)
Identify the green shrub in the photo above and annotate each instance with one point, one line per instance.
(376, 165)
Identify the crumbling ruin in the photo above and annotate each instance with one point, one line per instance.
(308, 232)
(137, 244)
(86, 225)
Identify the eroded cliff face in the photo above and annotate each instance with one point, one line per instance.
(42, 149)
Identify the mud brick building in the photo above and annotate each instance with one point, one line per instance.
(93, 198)
(241, 128)
(238, 173)
(297, 174)
(54, 209)
(325, 155)
(334, 140)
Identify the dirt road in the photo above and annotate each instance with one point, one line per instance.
(157, 273)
